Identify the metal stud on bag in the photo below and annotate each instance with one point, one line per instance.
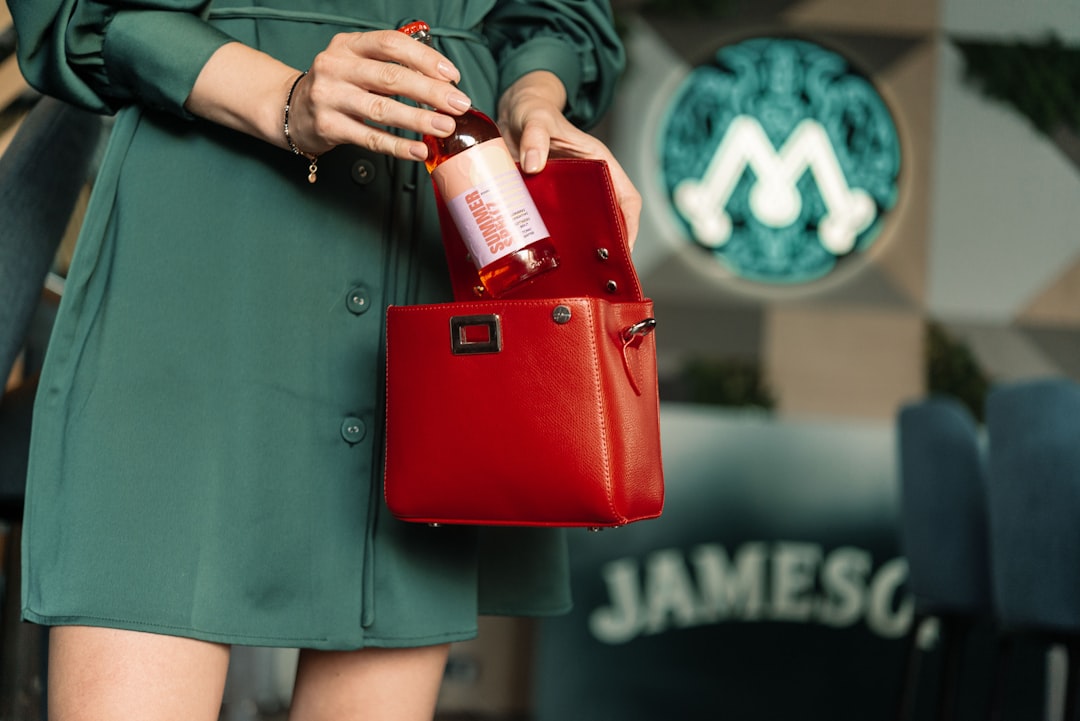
(561, 314)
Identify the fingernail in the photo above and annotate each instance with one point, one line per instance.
(532, 161)
(443, 123)
(418, 151)
(458, 101)
(449, 71)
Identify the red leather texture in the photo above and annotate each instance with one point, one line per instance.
(556, 423)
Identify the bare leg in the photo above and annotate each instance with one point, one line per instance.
(104, 674)
(374, 684)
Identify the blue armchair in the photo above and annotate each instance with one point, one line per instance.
(943, 534)
(1034, 503)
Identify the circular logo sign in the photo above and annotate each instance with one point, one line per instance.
(780, 159)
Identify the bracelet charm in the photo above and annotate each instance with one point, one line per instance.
(313, 168)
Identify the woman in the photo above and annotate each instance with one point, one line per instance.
(206, 465)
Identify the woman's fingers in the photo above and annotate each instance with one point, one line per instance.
(389, 63)
(534, 147)
(395, 47)
(348, 96)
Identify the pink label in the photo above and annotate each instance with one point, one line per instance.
(489, 202)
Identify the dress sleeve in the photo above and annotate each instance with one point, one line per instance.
(104, 54)
(575, 40)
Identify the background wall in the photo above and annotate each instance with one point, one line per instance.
(1004, 269)
(982, 240)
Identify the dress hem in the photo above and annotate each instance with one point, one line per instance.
(544, 612)
(232, 639)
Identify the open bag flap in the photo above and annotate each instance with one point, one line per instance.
(576, 199)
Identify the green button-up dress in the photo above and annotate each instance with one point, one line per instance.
(206, 456)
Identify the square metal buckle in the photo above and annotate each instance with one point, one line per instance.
(475, 334)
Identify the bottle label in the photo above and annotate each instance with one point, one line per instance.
(487, 198)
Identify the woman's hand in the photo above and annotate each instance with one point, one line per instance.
(532, 120)
(346, 97)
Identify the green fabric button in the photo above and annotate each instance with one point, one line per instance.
(357, 301)
(353, 429)
(363, 172)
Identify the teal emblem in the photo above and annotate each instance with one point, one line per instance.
(780, 159)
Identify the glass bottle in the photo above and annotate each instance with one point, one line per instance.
(483, 189)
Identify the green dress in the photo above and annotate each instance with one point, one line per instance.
(206, 456)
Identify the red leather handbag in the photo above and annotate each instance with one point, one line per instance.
(538, 408)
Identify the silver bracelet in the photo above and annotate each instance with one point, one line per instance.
(313, 168)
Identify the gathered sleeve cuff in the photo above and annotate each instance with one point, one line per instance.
(574, 40)
(104, 55)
